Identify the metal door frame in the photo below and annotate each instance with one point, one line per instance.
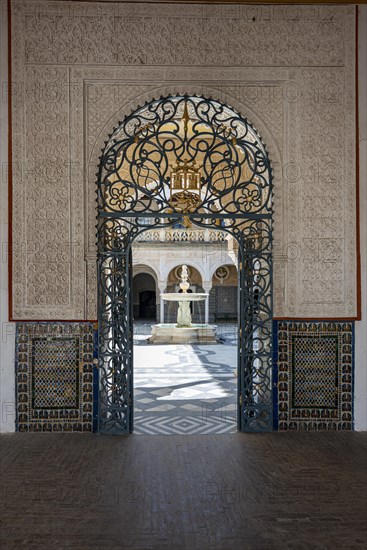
(123, 216)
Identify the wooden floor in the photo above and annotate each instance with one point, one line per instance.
(297, 490)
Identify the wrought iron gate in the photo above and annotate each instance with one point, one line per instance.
(174, 159)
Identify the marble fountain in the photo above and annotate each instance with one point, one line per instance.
(184, 331)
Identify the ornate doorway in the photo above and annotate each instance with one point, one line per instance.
(176, 159)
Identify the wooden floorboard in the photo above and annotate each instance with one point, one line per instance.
(296, 490)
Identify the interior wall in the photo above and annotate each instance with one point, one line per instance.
(360, 396)
(298, 92)
(7, 347)
(84, 85)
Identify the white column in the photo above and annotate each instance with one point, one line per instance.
(207, 285)
(207, 310)
(162, 311)
(162, 287)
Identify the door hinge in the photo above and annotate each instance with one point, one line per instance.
(240, 399)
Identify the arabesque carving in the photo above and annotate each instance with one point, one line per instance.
(79, 67)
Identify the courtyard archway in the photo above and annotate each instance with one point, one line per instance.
(144, 296)
(176, 160)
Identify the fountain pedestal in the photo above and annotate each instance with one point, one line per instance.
(195, 334)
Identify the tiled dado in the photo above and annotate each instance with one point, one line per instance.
(56, 379)
(313, 375)
(57, 382)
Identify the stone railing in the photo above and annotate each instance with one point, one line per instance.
(183, 235)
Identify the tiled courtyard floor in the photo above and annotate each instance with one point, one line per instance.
(184, 389)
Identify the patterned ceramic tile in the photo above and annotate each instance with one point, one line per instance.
(57, 384)
(314, 372)
(185, 389)
(55, 377)
(189, 424)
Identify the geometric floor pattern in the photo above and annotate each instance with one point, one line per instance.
(185, 389)
(183, 425)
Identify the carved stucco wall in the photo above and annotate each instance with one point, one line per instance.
(79, 68)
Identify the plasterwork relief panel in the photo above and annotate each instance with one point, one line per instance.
(103, 97)
(296, 85)
(188, 35)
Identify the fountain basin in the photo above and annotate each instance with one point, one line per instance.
(166, 333)
(184, 296)
(185, 332)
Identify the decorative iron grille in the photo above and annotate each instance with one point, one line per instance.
(180, 159)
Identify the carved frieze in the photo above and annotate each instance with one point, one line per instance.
(187, 35)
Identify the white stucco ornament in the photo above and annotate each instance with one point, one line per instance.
(68, 95)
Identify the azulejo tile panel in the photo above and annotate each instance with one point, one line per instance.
(314, 373)
(56, 377)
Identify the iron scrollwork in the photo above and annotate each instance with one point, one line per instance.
(176, 159)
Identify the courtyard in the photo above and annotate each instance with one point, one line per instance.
(184, 389)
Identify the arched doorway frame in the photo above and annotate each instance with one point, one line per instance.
(131, 201)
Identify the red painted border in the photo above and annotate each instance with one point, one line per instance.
(10, 174)
(358, 242)
(358, 317)
(358, 235)
(10, 199)
(311, 319)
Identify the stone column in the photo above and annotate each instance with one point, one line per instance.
(161, 287)
(207, 285)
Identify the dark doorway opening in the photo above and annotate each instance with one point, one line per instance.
(147, 304)
(144, 297)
